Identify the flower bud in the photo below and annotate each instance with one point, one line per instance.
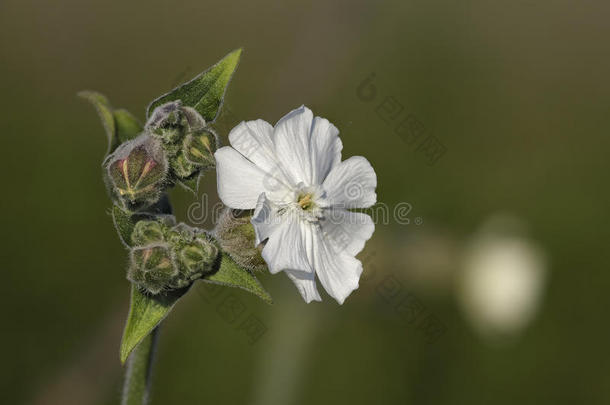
(170, 122)
(199, 148)
(170, 258)
(152, 268)
(181, 167)
(236, 236)
(136, 172)
(146, 232)
(199, 257)
(181, 234)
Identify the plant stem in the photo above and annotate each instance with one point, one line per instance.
(139, 371)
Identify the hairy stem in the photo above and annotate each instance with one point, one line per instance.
(138, 375)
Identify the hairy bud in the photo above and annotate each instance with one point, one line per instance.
(199, 256)
(136, 172)
(199, 148)
(152, 268)
(236, 236)
(189, 252)
(146, 232)
(188, 143)
(182, 168)
(170, 122)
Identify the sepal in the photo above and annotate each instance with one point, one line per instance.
(236, 236)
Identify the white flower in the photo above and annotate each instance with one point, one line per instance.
(293, 176)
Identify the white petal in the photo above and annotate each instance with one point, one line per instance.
(265, 219)
(291, 137)
(351, 184)
(306, 284)
(286, 247)
(339, 273)
(240, 182)
(325, 150)
(253, 139)
(347, 231)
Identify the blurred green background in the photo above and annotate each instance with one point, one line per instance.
(516, 92)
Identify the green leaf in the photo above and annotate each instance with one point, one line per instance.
(120, 125)
(104, 110)
(127, 126)
(145, 313)
(124, 224)
(232, 275)
(206, 91)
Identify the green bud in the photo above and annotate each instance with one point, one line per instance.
(236, 236)
(136, 172)
(199, 256)
(147, 232)
(152, 268)
(182, 168)
(170, 122)
(199, 148)
(196, 252)
(170, 258)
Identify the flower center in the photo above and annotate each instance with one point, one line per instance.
(305, 201)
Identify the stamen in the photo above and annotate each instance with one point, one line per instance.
(305, 201)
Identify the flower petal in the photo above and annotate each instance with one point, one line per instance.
(291, 137)
(325, 148)
(286, 247)
(347, 231)
(265, 219)
(351, 184)
(240, 182)
(253, 139)
(306, 284)
(339, 273)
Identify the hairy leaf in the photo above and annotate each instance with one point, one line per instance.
(124, 224)
(232, 275)
(104, 110)
(120, 125)
(206, 91)
(145, 313)
(127, 126)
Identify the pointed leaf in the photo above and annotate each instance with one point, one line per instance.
(232, 275)
(145, 313)
(104, 110)
(120, 125)
(206, 91)
(124, 224)
(127, 126)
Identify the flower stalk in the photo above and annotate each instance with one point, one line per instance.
(138, 374)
